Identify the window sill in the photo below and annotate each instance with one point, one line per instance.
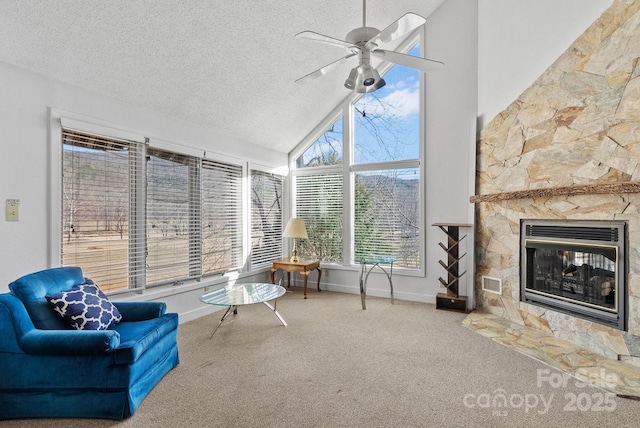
(162, 291)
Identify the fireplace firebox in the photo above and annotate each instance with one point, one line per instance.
(576, 267)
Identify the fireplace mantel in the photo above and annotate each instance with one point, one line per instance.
(588, 189)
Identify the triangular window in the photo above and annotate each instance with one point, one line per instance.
(326, 150)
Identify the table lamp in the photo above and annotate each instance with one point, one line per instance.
(295, 229)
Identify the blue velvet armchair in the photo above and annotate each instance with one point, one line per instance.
(51, 370)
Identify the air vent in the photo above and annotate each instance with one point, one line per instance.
(494, 285)
(608, 234)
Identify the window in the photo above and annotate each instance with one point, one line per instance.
(327, 150)
(96, 172)
(266, 217)
(134, 215)
(221, 217)
(173, 228)
(387, 220)
(319, 204)
(383, 177)
(387, 122)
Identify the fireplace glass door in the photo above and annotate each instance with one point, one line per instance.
(584, 274)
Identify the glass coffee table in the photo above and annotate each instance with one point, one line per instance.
(243, 294)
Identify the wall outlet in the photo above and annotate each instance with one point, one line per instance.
(12, 210)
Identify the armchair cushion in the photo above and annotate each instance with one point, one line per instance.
(138, 337)
(31, 290)
(85, 307)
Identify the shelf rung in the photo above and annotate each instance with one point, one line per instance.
(447, 284)
(444, 265)
(457, 277)
(455, 261)
(450, 232)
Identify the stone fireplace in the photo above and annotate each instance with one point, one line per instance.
(575, 267)
(567, 151)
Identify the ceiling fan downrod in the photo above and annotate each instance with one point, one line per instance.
(364, 13)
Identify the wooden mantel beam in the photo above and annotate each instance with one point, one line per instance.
(587, 189)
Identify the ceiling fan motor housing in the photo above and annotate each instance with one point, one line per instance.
(360, 36)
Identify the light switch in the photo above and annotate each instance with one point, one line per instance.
(12, 210)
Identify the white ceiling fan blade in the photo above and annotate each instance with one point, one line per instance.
(317, 37)
(324, 70)
(405, 24)
(426, 65)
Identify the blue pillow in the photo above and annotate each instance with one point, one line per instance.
(85, 307)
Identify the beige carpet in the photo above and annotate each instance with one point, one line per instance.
(335, 365)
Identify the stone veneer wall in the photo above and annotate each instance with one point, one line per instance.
(577, 127)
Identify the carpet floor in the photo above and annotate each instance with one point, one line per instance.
(336, 365)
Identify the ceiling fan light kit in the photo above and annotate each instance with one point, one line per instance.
(364, 79)
(364, 42)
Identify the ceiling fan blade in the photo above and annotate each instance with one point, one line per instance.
(405, 24)
(324, 70)
(426, 65)
(317, 37)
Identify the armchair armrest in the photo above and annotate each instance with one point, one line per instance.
(140, 311)
(69, 342)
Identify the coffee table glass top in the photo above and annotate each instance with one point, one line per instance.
(242, 294)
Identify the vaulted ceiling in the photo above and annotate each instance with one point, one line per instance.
(228, 65)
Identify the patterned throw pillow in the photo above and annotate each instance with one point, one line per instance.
(85, 307)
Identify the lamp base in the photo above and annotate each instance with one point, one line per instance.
(294, 253)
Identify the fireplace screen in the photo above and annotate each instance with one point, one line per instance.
(585, 274)
(575, 269)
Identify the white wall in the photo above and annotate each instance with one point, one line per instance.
(519, 39)
(25, 99)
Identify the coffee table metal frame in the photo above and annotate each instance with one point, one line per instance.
(244, 294)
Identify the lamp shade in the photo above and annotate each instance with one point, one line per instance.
(295, 229)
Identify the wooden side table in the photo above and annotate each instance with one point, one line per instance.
(303, 266)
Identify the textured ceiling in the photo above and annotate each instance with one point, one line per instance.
(228, 65)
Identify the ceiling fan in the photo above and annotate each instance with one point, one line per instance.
(364, 42)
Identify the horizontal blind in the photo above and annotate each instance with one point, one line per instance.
(319, 204)
(221, 217)
(266, 217)
(96, 173)
(387, 215)
(173, 205)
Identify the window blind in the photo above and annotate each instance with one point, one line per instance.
(266, 217)
(221, 217)
(173, 217)
(387, 215)
(96, 199)
(319, 204)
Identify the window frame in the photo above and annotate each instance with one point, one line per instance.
(350, 168)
